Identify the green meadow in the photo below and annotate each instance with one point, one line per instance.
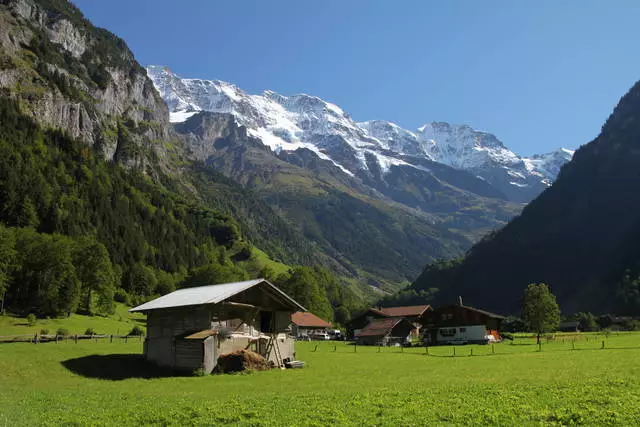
(119, 323)
(108, 383)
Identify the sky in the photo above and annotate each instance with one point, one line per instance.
(539, 75)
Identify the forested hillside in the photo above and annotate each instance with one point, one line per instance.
(581, 236)
(100, 200)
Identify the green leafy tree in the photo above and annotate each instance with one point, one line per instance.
(95, 272)
(540, 310)
(7, 258)
(587, 321)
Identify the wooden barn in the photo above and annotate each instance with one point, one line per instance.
(305, 324)
(461, 324)
(570, 326)
(385, 331)
(413, 314)
(190, 328)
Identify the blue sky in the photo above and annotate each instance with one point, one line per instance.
(539, 75)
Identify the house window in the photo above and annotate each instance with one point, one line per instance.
(463, 330)
(450, 316)
(448, 332)
(444, 317)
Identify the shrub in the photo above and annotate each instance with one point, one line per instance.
(199, 372)
(31, 319)
(90, 331)
(121, 296)
(44, 332)
(136, 330)
(62, 332)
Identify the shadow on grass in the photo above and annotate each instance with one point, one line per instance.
(117, 367)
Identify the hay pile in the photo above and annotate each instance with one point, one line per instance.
(241, 360)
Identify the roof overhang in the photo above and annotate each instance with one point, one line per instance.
(214, 294)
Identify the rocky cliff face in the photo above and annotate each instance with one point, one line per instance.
(70, 75)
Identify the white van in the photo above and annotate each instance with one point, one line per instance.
(474, 334)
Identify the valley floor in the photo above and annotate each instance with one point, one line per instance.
(102, 383)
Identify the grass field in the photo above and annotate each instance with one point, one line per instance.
(102, 383)
(119, 323)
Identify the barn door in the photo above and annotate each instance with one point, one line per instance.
(266, 322)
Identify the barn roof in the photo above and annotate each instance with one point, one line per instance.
(408, 311)
(309, 320)
(211, 294)
(380, 327)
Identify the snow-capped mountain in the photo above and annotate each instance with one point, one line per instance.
(289, 123)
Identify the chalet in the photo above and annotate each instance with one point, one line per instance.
(461, 324)
(190, 328)
(385, 331)
(359, 322)
(569, 326)
(305, 324)
(413, 314)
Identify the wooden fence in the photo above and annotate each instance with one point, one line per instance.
(38, 338)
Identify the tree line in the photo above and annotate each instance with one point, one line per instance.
(78, 233)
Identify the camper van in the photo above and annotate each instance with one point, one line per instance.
(473, 334)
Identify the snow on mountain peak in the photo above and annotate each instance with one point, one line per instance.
(304, 121)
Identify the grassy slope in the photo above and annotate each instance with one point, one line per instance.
(516, 386)
(119, 323)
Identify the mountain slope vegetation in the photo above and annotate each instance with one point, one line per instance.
(99, 198)
(581, 236)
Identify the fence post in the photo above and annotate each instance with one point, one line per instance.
(573, 344)
(426, 350)
(335, 347)
(126, 337)
(539, 346)
(401, 349)
(603, 344)
(493, 349)
(111, 338)
(378, 348)
(454, 351)
(471, 352)
(76, 338)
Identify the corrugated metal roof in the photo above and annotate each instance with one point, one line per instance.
(201, 335)
(211, 294)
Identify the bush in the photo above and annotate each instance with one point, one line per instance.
(62, 332)
(136, 330)
(44, 332)
(121, 296)
(90, 331)
(31, 319)
(199, 372)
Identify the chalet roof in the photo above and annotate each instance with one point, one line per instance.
(211, 294)
(477, 310)
(309, 320)
(408, 311)
(486, 313)
(380, 327)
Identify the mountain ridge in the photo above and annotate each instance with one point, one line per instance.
(286, 123)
